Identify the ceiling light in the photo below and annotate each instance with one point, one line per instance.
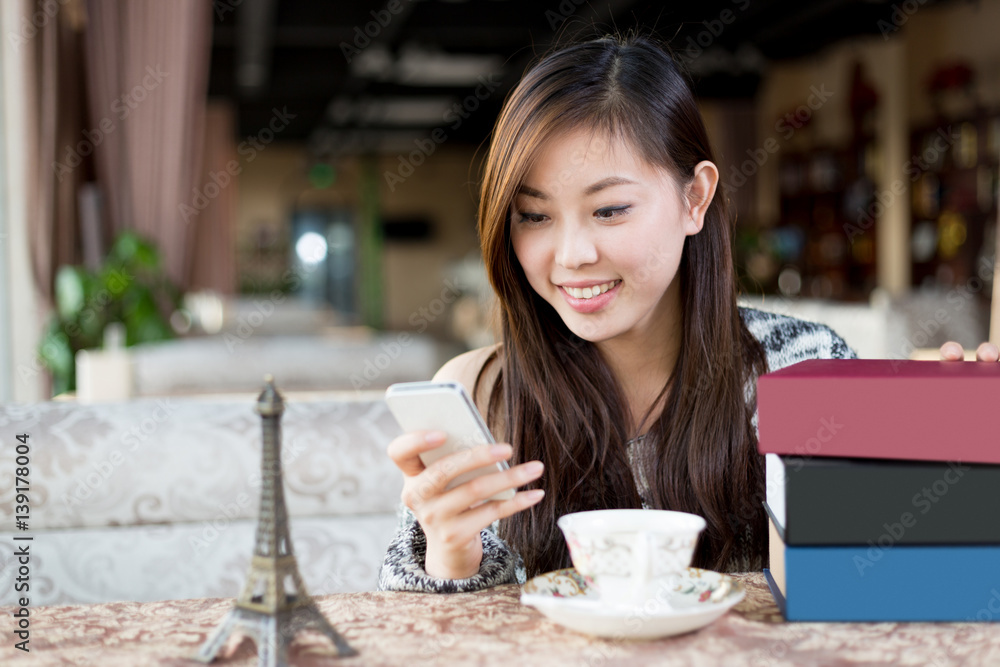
(419, 67)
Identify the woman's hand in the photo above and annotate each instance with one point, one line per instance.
(952, 351)
(448, 518)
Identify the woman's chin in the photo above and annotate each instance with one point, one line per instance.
(592, 333)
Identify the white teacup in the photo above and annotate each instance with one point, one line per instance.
(629, 556)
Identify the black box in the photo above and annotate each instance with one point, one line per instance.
(841, 501)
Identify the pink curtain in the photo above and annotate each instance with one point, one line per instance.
(147, 66)
(55, 109)
(212, 246)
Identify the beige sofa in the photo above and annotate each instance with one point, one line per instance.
(157, 498)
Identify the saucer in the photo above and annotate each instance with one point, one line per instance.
(697, 598)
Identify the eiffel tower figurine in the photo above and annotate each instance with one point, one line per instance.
(274, 605)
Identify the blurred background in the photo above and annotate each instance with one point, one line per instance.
(195, 193)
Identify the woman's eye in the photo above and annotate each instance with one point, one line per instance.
(530, 218)
(610, 212)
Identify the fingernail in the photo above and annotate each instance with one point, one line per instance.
(534, 468)
(434, 436)
(501, 451)
(535, 494)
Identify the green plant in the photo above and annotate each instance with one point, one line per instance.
(129, 287)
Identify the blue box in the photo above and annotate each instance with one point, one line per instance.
(884, 582)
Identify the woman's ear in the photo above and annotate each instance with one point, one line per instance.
(700, 192)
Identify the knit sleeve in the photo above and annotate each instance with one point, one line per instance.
(788, 340)
(403, 566)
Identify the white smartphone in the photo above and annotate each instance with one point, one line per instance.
(444, 406)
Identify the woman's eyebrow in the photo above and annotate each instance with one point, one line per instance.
(607, 183)
(531, 192)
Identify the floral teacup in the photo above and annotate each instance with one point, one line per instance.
(631, 556)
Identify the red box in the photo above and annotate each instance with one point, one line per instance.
(884, 409)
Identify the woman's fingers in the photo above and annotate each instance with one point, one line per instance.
(452, 508)
(485, 514)
(433, 481)
(988, 352)
(479, 489)
(952, 351)
(406, 449)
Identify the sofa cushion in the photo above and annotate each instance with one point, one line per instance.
(174, 459)
(192, 560)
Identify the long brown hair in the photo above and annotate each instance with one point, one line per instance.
(561, 404)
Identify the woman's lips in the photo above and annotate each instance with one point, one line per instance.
(594, 303)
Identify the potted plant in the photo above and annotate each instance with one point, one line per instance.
(129, 287)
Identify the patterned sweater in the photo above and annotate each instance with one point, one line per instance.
(786, 341)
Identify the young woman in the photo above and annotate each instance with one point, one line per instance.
(626, 374)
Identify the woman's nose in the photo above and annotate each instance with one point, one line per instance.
(575, 247)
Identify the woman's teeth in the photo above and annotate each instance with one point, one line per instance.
(588, 292)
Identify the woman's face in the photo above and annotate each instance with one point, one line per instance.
(599, 234)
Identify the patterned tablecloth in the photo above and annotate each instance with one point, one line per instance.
(489, 627)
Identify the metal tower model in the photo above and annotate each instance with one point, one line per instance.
(274, 605)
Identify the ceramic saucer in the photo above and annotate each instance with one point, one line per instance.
(696, 598)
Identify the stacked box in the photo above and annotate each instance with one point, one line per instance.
(883, 489)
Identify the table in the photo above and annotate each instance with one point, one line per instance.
(489, 627)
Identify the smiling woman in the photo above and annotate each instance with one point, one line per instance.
(625, 367)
